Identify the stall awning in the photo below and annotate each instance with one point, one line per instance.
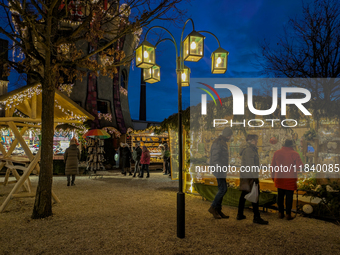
(27, 103)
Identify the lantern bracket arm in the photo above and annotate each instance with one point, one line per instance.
(165, 39)
(173, 39)
(219, 45)
(193, 27)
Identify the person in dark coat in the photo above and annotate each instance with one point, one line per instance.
(219, 155)
(136, 155)
(126, 157)
(285, 182)
(250, 157)
(166, 158)
(71, 159)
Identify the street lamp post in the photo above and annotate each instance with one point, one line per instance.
(191, 49)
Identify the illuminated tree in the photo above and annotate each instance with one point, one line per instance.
(46, 37)
(309, 48)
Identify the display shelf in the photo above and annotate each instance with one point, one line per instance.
(152, 142)
(95, 156)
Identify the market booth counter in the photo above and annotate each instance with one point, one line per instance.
(153, 142)
(23, 114)
(206, 186)
(321, 150)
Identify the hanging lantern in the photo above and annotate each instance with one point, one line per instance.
(185, 76)
(152, 75)
(145, 55)
(219, 61)
(193, 47)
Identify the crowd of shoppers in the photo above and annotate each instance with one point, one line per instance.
(285, 181)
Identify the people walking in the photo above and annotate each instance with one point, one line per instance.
(145, 161)
(219, 155)
(71, 159)
(136, 155)
(250, 157)
(126, 157)
(285, 181)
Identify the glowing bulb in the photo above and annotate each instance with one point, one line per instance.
(219, 60)
(184, 77)
(193, 45)
(146, 54)
(138, 59)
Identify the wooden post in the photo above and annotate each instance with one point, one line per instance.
(11, 149)
(23, 178)
(21, 140)
(28, 107)
(2, 149)
(9, 112)
(34, 106)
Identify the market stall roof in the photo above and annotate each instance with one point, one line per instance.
(27, 103)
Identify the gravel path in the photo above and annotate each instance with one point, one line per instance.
(122, 215)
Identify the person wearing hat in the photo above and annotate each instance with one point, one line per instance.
(219, 155)
(285, 181)
(71, 159)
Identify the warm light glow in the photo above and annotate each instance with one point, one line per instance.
(193, 45)
(150, 70)
(146, 54)
(184, 77)
(138, 59)
(219, 60)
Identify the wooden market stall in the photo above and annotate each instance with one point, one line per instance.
(152, 140)
(323, 147)
(23, 112)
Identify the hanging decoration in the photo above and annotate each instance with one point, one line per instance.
(123, 91)
(66, 88)
(112, 130)
(105, 116)
(13, 101)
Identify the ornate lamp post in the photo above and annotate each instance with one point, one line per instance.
(191, 49)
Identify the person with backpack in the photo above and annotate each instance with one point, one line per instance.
(136, 155)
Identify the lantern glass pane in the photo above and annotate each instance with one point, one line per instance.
(220, 60)
(156, 73)
(186, 48)
(196, 45)
(185, 75)
(139, 57)
(149, 54)
(147, 73)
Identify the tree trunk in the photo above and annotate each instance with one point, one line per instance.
(43, 199)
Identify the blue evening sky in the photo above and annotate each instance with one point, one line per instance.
(239, 25)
